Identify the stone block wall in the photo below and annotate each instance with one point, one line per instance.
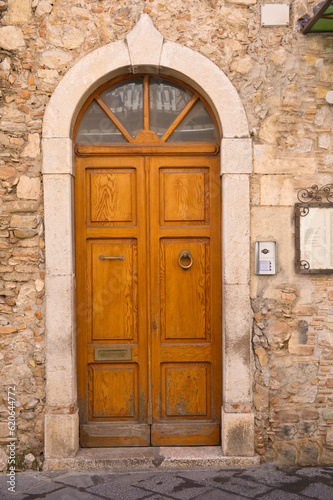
(293, 346)
(282, 78)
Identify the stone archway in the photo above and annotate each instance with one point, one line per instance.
(132, 56)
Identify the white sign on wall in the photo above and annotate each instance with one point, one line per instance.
(275, 14)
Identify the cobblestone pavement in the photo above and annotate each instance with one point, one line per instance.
(265, 482)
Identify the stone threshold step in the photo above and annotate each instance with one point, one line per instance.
(147, 458)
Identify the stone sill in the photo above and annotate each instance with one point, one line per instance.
(147, 458)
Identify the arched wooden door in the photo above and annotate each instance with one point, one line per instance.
(148, 265)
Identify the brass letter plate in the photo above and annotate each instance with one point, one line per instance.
(113, 354)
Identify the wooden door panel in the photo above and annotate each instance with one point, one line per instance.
(184, 196)
(113, 298)
(111, 197)
(185, 352)
(185, 293)
(106, 401)
(104, 434)
(112, 301)
(186, 303)
(166, 390)
(185, 390)
(185, 434)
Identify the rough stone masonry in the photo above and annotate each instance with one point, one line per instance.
(282, 78)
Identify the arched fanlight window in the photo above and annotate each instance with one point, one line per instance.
(145, 109)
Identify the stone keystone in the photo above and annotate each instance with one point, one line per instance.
(145, 43)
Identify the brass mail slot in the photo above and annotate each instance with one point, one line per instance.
(113, 354)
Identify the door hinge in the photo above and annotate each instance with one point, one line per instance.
(155, 325)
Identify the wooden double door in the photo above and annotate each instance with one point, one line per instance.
(148, 268)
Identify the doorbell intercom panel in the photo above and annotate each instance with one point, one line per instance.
(265, 257)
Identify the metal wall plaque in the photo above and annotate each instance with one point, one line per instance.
(113, 354)
(314, 237)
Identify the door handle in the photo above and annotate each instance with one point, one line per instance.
(185, 255)
(112, 257)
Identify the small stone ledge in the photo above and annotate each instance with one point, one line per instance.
(147, 458)
(58, 156)
(238, 407)
(236, 156)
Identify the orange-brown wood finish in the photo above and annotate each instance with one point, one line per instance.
(112, 306)
(143, 211)
(186, 303)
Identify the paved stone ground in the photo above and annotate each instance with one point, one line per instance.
(264, 482)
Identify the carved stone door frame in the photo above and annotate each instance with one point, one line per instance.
(95, 68)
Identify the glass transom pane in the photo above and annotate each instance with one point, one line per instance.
(196, 126)
(96, 127)
(128, 103)
(125, 100)
(166, 101)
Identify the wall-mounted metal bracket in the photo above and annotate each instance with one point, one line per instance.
(316, 194)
